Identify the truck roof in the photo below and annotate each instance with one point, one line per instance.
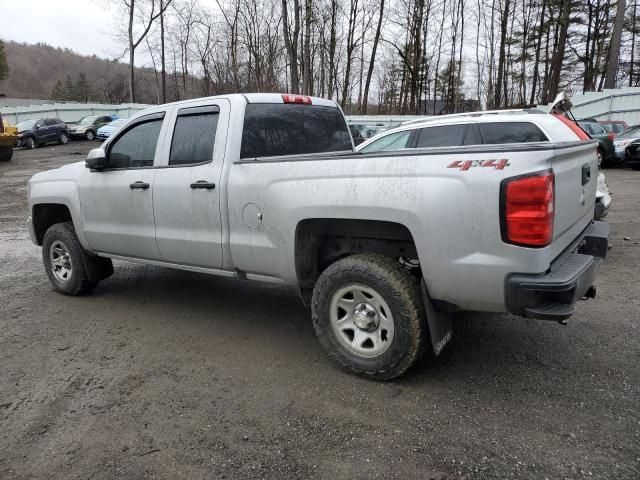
(258, 98)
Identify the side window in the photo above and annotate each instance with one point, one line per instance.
(137, 146)
(49, 122)
(511, 132)
(393, 141)
(442, 136)
(194, 136)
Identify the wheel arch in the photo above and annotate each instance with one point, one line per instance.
(44, 215)
(321, 241)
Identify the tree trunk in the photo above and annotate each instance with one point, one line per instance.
(614, 49)
(132, 56)
(504, 22)
(163, 66)
(291, 44)
(376, 39)
(306, 61)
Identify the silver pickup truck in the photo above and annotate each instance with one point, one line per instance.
(382, 245)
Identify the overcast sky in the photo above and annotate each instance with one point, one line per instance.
(81, 25)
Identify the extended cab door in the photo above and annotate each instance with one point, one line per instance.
(117, 202)
(187, 186)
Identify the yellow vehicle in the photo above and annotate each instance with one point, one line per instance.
(8, 137)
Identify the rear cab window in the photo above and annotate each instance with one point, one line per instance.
(278, 129)
(511, 132)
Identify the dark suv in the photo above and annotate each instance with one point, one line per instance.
(41, 131)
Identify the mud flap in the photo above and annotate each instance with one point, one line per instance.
(98, 268)
(440, 328)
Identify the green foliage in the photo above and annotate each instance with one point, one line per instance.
(58, 91)
(81, 88)
(4, 64)
(69, 93)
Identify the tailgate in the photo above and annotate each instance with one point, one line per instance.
(576, 178)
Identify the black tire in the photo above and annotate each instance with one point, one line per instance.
(601, 160)
(89, 135)
(77, 282)
(63, 138)
(635, 167)
(29, 143)
(401, 292)
(6, 153)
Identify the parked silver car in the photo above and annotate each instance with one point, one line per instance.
(623, 139)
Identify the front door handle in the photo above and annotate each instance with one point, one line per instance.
(139, 185)
(203, 184)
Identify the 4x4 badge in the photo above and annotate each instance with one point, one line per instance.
(467, 164)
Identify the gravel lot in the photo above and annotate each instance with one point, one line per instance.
(168, 374)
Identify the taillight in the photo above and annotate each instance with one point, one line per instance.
(289, 98)
(526, 209)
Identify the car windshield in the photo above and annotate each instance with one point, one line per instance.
(87, 120)
(26, 125)
(630, 132)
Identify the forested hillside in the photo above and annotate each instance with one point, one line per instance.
(42, 71)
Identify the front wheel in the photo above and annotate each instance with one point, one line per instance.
(63, 138)
(30, 143)
(63, 262)
(368, 315)
(89, 135)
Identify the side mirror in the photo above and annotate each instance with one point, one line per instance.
(96, 160)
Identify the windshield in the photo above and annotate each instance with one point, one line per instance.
(87, 120)
(26, 125)
(630, 132)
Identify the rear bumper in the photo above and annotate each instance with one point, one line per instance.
(552, 295)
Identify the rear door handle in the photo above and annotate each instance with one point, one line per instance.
(203, 184)
(139, 185)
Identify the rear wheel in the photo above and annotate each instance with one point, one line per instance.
(6, 152)
(368, 315)
(89, 135)
(63, 262)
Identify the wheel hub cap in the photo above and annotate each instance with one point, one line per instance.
(365, 317)
(60, 258)
(361, 321)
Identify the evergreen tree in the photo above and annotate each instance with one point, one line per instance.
(82, 88)
(58, 91)
(4, 65)
(69, 94)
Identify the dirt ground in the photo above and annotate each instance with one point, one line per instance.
(167, 374)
